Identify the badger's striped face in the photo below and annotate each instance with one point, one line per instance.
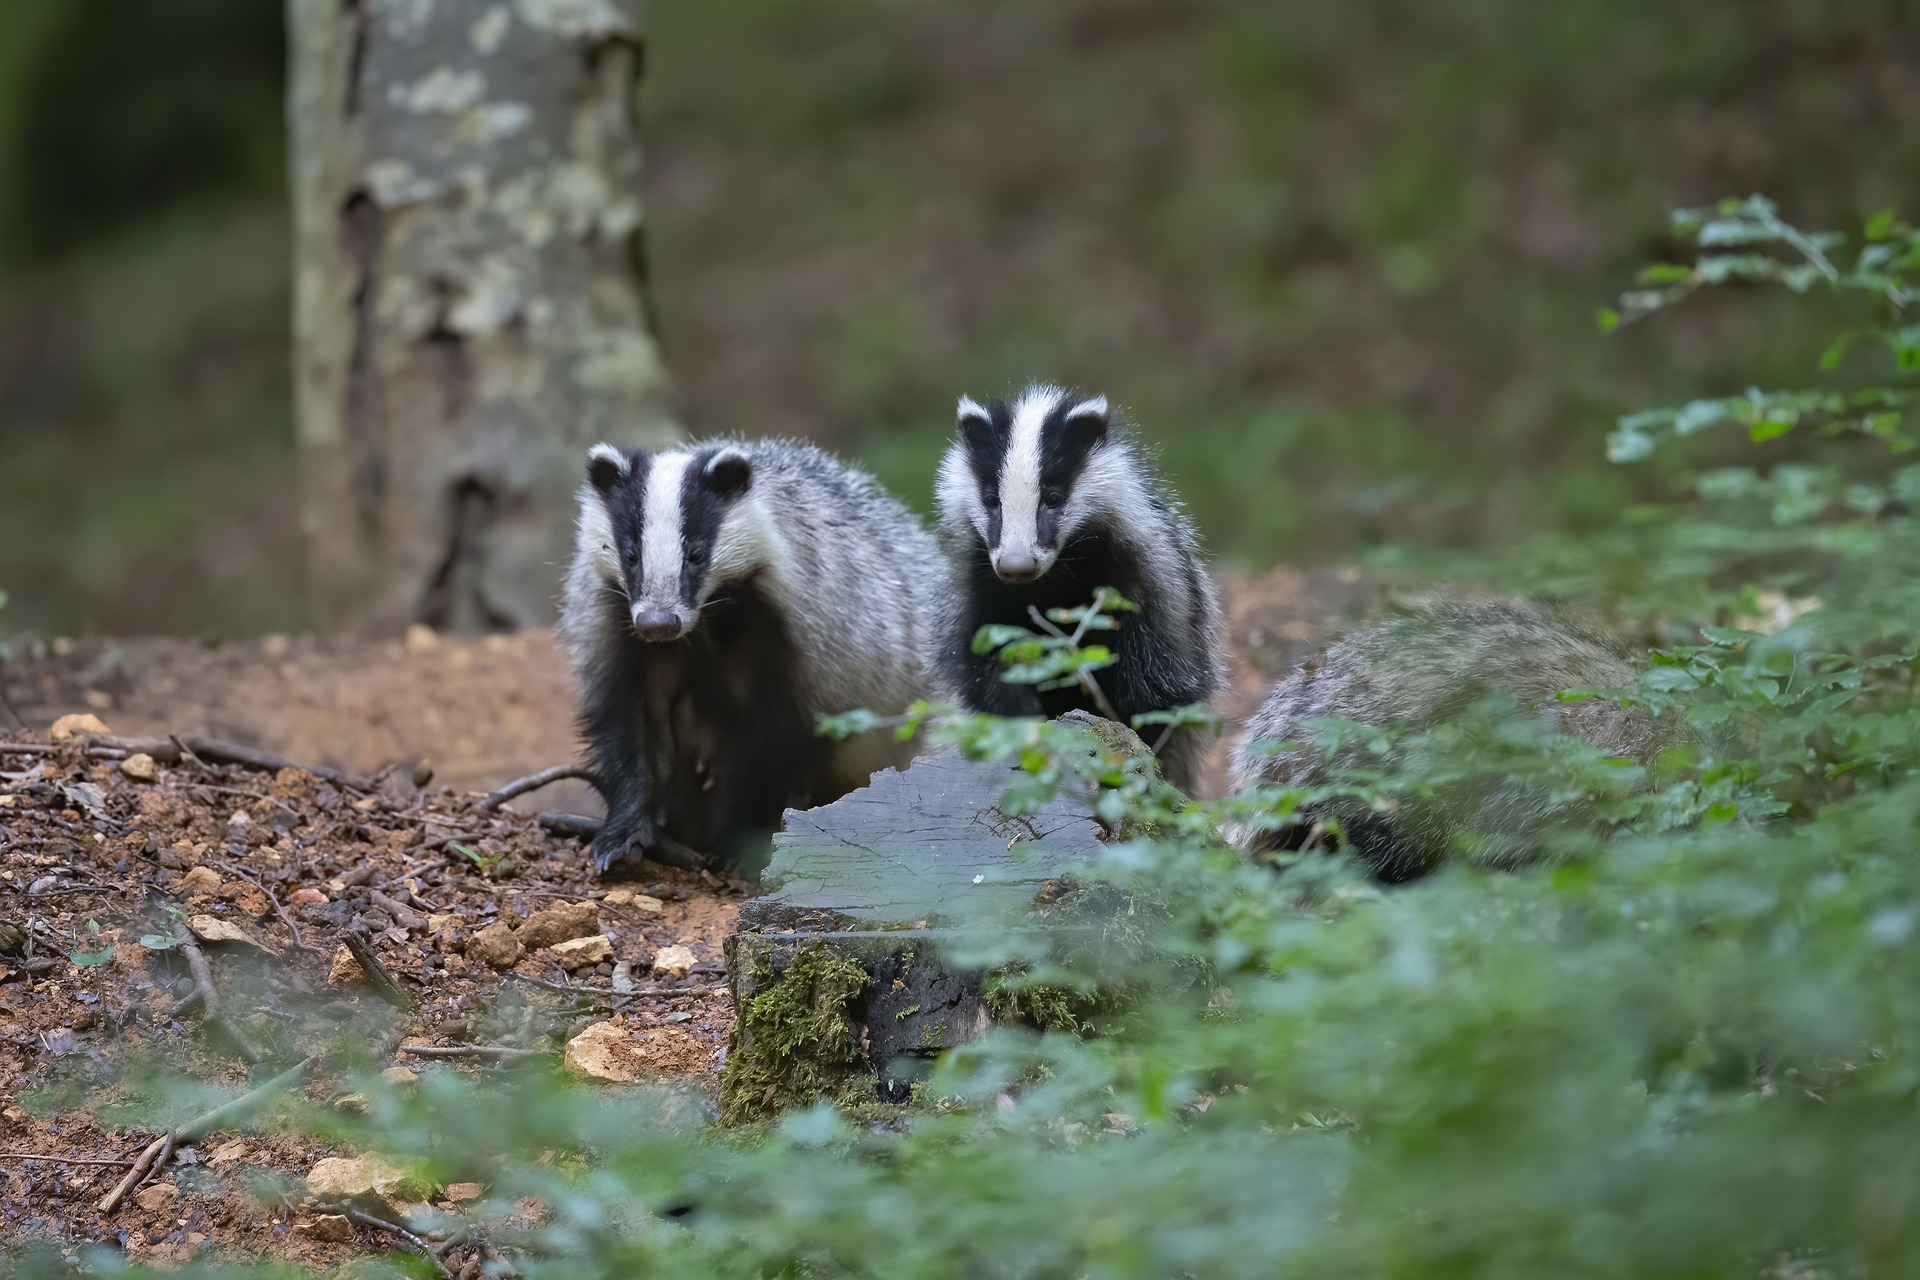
(659, 524)
(1017, 470)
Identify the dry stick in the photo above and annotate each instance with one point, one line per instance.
(194, 1130)
(471, 1051)
(203, 991)
(383, 984)
(34, 1155)
(532, 782)
(173, 748)
(300, 944)
(362, 1218)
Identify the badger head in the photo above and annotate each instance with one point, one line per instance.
(1017, 475)
(663, 529)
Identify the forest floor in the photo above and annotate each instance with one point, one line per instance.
(375, 904)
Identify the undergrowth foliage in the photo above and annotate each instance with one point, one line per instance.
(1688, 1044)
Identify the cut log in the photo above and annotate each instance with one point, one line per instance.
(842, 973)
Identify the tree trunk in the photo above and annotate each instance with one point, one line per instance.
(470, 308)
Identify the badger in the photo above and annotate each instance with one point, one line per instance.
(1042, 500)
(721, 597)
(1419, 671)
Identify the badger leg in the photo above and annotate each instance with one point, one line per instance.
(616, 744)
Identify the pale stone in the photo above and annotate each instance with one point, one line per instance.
(344, 971)
(200, 880)
(67, 728)
(158, 1197)
(561, 922)
(580, 952)
(332, 1228)
(494, 945)
(674, 961)
(340, 1176)
(140, 767)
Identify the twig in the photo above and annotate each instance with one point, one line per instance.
(569, 824)
(505, 1052)
(174, 747)
(195, 1129)
(402, 914)
(362, 1218)
(203, 991)
(34, 1155)
(532, 782)
(383, 984)
(293, 929)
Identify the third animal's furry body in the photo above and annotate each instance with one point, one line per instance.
(1421, 670)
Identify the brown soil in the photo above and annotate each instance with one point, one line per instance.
(92, 860)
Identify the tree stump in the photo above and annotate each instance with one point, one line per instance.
(470, 297)
(849, 973)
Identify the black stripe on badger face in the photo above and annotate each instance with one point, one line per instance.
(666, 514)
(1025, 458)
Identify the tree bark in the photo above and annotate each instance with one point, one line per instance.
(470, 297)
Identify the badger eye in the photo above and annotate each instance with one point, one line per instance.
(1053, 496)
(632, 555)
(992, 498)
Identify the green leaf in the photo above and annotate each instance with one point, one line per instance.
(91, 959)
(1768, 429)
(1880, 225)
(1607, 319)
(1661, 273)
(158, 941)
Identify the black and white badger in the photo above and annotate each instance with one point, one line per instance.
(1042, 499)
(721, 596)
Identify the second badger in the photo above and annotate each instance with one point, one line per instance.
(721, 596)
(1042, 501)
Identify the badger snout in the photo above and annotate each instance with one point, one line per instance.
(653, 623)
(1015, 565)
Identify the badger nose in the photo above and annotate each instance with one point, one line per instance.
(1017, 566)
(651, 623)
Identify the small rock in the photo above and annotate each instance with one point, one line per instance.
(275, 646)
(561, 922)
(200, 880)
(495, 945)
(227, 1152)
(399, 1076)
(307, 896)
(339, 1176)
(99, 699)
(139, 766)
(461, 1192)
(421, 639)
(614, 1052)
(638, 901)
(333, 1228)
(675, 962)
(158, 1197)
(68, 727)
(579, 952)
(345, 971)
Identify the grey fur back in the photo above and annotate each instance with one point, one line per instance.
(1422, 670)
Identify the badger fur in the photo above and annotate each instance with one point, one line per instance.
(1043, 499)
(1419, 671)
(721, 596)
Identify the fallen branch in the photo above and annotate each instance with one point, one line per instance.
(35, 1155)
(499, 1051)
(175, 747)
(293, 929)
(360, 1217)
(204, 993)
(383, 984)
(532, 782)
(161, 1147)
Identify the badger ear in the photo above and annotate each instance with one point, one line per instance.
(1087, 421)
(976, 424)
(730, 473)
(606, 466)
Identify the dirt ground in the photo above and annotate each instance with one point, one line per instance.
(267, 874)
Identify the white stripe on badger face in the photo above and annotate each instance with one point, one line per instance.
(1020, 481)
(662, 546)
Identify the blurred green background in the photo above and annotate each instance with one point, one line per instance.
(1339, 261)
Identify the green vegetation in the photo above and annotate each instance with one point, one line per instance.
(1685, 1046)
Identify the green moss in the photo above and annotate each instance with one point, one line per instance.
(1013, 999)
(793, 1042)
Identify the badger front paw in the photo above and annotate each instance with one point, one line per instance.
(624, 838)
